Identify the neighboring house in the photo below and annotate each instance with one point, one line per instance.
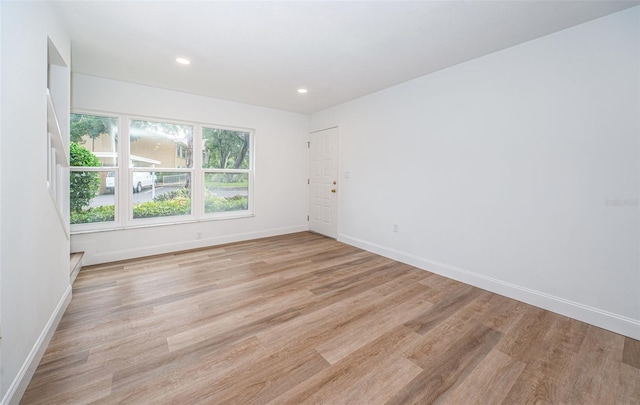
(145, 152)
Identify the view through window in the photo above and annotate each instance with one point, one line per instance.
(161, 168)
(226, 162)
(159, 181)
(94, 163)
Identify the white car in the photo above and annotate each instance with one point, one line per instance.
(140, 180)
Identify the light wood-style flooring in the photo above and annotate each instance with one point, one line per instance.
(304, 319)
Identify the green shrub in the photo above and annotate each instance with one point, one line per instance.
(83, 186)
(213, 203)
(151, 209)
(179, 205)
(179, 193)
(94, 214)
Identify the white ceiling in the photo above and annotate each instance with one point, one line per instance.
(262, 52)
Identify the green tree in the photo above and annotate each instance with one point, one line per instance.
(83, 185)
(225, 149)
(91, 126)
(179, 134)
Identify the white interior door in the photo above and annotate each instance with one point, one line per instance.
(323, 187)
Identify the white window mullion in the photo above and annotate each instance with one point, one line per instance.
(197, 186)
(252, 173)
(125, 198)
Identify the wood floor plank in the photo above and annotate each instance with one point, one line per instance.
(266, 379)
(528, 334)
(439, 339)
(336, 381)
(168, 386)
(542, 380)
(489, 382)
(443, 309)
(389, 316)
(91, 386)
(594, 375)
(380, 384)
(445, 371)
(503, 314)
(320, 323)
(207, 327)
(631, 352)
(53, 371)
(628, 387)
(301, 318)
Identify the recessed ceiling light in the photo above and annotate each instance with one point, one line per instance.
(302, 91)
(183, 61)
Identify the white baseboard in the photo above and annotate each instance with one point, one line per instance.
(585, 313)
(20, 383)
(91, 257)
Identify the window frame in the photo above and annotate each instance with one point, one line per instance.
(106, 225)
(130, 221)
(250, 171)
(123, 200)
(78, 228)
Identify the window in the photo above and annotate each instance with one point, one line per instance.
(172, 172)
(93, 175)
(160, 175)
(181, 152)
(226, 162)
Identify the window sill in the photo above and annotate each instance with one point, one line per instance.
(155, 225)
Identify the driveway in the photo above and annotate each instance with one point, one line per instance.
(147, 194)
(144, 196)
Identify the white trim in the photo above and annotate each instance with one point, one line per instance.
(585, 313)
(20, 383)
(91, 258)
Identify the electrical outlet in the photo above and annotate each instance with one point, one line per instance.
(198, 235)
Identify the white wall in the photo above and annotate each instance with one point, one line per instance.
(517, 172)
(34, 266)
(280, 169)
(1, 389)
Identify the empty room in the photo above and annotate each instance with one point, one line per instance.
(323, 202)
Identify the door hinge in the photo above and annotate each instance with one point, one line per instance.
(308, 144)
(307, 218)
(308, 181)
